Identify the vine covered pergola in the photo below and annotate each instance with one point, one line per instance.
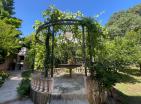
(49, 30)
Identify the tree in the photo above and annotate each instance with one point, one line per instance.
(8, 38)
(29, 43)
(134, 38)
(127, 24)
(13, 21)
(9, 32)
(7, 11)
(135, 10)
(122, 22)
(6, 8)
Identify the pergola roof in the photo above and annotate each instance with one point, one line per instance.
(49, 26)
(59, 22)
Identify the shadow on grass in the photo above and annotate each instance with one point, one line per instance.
(125, 78)
(124, 99)
(134, 72)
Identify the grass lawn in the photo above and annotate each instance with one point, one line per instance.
(130, 87)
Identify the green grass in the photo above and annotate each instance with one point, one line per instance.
(130, 91)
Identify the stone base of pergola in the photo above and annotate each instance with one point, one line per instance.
(42, 89)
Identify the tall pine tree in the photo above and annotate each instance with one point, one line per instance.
(6, 8)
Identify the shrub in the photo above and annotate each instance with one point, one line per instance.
(24, 88)
(26, 74)
(1, 81)
(3, 77)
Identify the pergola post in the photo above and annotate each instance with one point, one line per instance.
(90, 51)
(47, 53)
(52, 53)
(34, 54)
(83, 48)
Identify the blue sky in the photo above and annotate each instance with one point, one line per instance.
(31, 10)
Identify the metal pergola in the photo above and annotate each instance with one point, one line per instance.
(49, 27)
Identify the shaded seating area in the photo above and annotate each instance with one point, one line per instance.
(70, 67)
(43, 85)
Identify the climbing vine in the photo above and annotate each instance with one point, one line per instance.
(96, 36)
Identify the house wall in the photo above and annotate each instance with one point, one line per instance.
(6, 65)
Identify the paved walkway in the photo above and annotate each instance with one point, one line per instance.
(25, 101)
(8, 92)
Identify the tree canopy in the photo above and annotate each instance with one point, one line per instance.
(9, 29)
(124, 21)
(127, 24)
(6, 8)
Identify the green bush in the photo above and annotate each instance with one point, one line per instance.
(3, 77)
(1, 81)
(26, 74)
(24, 88)
(106, 75)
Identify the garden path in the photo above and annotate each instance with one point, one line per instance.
(8, 92)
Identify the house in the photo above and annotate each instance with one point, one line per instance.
(15, 63)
